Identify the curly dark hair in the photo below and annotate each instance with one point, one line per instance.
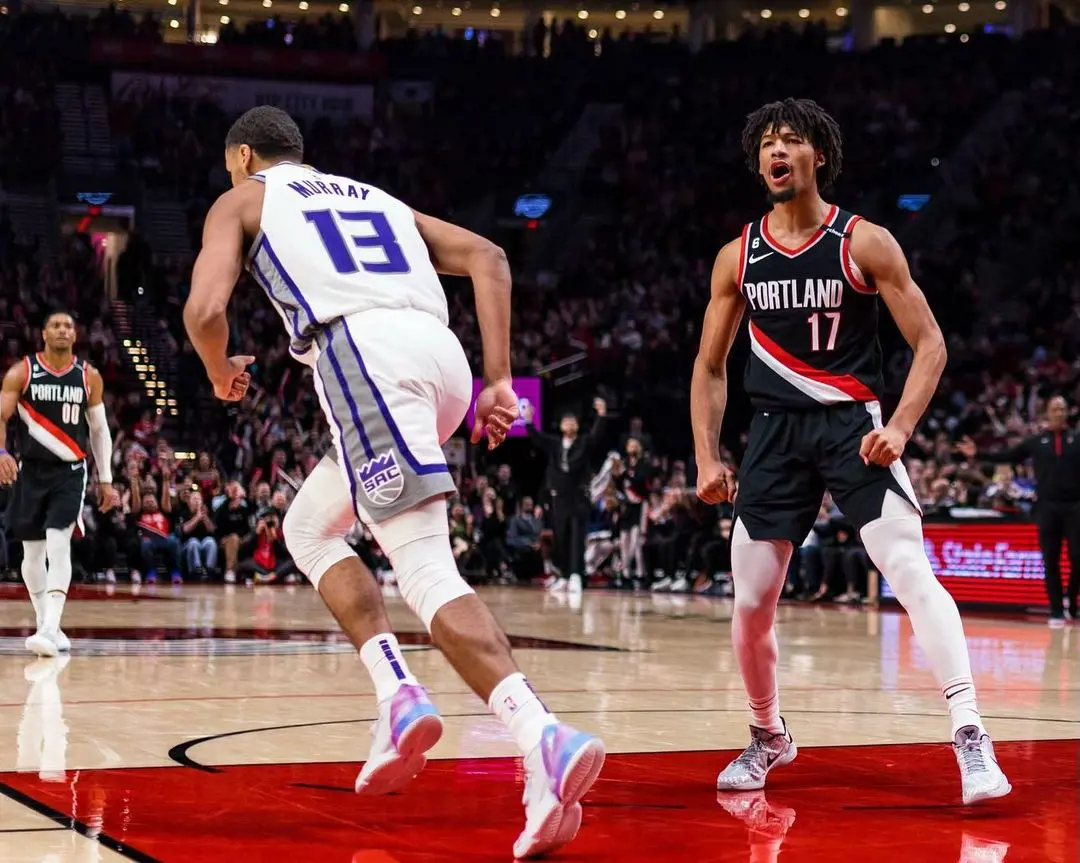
(269, 131)
(809, 121)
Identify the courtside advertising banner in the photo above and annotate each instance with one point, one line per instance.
(528, 393)
(987, 562)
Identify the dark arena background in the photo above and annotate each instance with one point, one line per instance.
(217, 713)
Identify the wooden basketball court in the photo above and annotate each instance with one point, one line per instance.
(219, 724)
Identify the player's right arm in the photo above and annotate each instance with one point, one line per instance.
(458, 252)
(13, 386)
(708, 386)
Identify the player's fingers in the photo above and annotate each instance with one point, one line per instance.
(478, 429)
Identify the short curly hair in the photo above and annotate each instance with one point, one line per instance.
(808, 120)
(269, 131)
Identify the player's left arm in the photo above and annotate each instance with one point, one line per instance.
(217, 269)
(881, 259)
(101, 444)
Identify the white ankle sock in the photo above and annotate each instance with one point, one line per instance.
(963, 709)
(766, 713)
(386, 665)
(53, 610)
(520, 709)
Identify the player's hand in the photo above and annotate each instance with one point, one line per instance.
(231, 382)
(496, 410)
(9, 469)
(108, 497)
(716, 482)
(600, 406)
(882, 446)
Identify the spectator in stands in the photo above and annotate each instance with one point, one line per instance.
(197, 534)
(233, 520)
(151, 517)
(568, 469)
(523, 539)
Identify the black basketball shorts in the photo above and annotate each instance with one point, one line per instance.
(47, 495)
(793, 456)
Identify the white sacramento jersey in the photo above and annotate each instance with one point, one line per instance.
(329, 247)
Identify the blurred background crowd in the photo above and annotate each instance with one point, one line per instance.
(960, 144)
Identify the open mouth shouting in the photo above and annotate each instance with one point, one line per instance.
(780, 172)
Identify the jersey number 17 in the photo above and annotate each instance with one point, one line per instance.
(380, 236)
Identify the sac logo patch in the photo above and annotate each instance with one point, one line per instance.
(381, 479)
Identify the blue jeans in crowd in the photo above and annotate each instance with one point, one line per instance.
(200, 553)
(167, 546)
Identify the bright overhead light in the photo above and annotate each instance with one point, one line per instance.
(224, 19)
(583, 14)
(964, 37)
(620, 14)
(964, 7)
(174, 23)
(658, 14)
(950, 28)
(268, 3)
(418, 10)
(343, 7)
(766, 13)
(928, 8)
(1000, 5)
(841, 11)
(455, 11)
(303, 5)
(593, 33)
(804, 13)
(223, 2)
(495, 12)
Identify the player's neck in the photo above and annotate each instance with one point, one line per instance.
(805, 213)
(56, 359)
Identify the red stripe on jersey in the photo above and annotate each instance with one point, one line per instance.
(846, 261)
(818, 234)
(848, 384)
(743, 248)
(47, 426)
(26, 383)
(48, 368)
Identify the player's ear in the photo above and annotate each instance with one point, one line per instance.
(819, 159)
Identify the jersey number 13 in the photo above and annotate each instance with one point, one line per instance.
(376, 233)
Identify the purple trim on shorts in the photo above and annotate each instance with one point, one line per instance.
(418, 468)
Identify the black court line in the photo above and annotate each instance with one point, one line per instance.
(68, 822)
(314, 787)
(179, 753)
(35, 830)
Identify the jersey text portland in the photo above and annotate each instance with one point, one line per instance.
(813, 319)
(52, 411)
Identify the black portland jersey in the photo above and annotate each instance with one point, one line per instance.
(813, 319)
(53, 412)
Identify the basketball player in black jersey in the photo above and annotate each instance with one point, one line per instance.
(810, 276)
(58, 400)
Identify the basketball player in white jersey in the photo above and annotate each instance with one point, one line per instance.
(352, 272)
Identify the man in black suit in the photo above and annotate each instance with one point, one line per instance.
(569, 468)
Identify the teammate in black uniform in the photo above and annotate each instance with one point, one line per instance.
(810, 275)
(57, 398)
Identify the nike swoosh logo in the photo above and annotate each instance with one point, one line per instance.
(37, 375)
(76, 467)
(754, 259)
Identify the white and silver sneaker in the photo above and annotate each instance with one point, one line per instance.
(43, 643)
(766, 751)
(980, 776)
